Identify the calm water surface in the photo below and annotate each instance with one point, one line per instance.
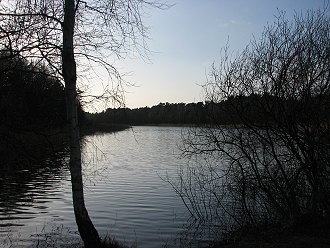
(126, 194)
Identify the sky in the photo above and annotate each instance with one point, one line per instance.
(187, 38)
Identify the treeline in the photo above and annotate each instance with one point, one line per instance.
(163, 113)
(226, 112)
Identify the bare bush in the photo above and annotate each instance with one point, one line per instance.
(268, 142)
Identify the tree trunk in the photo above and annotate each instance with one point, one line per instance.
(86, 228)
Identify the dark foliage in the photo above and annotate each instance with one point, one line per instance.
(32, 110)
(163, 113)
(29, 97)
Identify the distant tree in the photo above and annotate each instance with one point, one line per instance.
(272, 161)
(61, 33)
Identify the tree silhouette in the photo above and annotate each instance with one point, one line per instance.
(275, 154)
(67, 33)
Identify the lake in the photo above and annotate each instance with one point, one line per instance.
(126, 193)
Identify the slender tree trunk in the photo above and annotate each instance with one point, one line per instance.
(86, 228)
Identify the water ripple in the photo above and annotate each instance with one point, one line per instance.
(125, 193)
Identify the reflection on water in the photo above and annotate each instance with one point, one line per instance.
(126, 194)
(32, 200)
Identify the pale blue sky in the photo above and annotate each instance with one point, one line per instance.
(186, 39)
